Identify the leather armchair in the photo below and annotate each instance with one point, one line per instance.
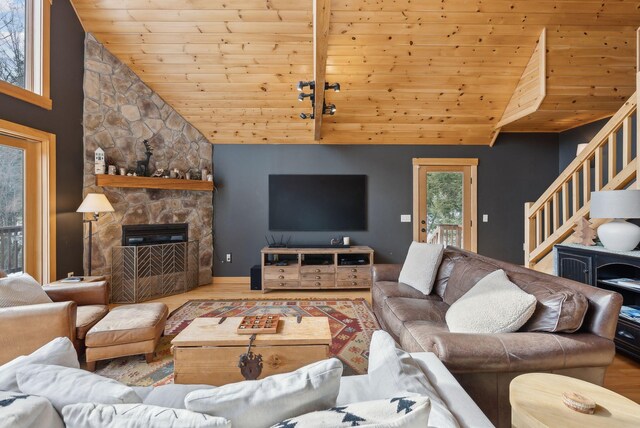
(75, 308)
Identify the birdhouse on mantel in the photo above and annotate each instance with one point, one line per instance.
(100, 166)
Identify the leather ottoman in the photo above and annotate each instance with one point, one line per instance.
(126, 330)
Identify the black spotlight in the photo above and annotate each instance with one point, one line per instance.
(302, 84)
(335, 86)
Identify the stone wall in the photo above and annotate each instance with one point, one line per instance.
(120, 111)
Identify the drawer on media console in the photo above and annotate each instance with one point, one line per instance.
(359, 283)
(318, 276)
(280, 272)
(351, 273)
(317, 269)
(318, 284)
(281, 284)
(628, 333)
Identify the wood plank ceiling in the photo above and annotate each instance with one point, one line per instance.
(411, 71)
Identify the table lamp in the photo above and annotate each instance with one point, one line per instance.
(95, 203)
(618, 235)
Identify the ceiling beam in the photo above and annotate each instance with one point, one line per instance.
(321, 18)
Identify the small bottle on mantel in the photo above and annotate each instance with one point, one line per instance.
(205, 172)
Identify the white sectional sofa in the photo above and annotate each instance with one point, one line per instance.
(393, 373)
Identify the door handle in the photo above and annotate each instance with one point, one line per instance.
(626, 335)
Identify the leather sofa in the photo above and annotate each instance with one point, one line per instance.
(75, 309)
(485, 364)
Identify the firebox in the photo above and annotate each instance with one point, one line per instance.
(153, 234)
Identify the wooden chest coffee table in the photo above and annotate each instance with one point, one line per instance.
(207, 352)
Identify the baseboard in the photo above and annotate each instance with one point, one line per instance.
(244, 280)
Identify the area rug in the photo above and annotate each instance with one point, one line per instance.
(351, 321)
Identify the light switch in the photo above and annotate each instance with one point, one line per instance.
(485, 218)
(405, 218)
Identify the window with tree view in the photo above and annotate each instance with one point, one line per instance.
(444, 208)
(21, 44)
(13, 19)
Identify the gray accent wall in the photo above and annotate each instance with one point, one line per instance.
(65, 121)
(516, 170)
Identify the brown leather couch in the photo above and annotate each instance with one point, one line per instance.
(485, 364)
(75, 309)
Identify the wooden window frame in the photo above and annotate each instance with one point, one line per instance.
(472, 163)
(38, 59)
(45, 271)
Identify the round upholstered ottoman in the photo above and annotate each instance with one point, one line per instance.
(126, 330)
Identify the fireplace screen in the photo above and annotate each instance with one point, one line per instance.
(146, 272)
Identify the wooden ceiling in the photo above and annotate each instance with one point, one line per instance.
(411, 71)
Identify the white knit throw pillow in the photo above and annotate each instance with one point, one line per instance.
(493, 305)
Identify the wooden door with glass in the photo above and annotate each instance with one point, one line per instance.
(445, 201)
(21, 195)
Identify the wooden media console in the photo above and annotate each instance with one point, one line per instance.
(316, 268)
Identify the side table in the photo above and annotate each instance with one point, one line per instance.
(85, 279)
(536, 401)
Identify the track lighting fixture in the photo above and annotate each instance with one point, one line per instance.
(334, 86)
(302, 84)
(329, 109)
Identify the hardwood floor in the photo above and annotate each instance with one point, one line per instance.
(622, 377)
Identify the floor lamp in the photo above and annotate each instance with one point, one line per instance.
(95, 203)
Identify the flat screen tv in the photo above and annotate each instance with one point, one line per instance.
(317, 202)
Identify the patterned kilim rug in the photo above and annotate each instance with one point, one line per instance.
(352, 323)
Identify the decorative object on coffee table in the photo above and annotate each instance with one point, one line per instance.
(95, 203)
(259, 324)
(579, 402)
(207, 351)
(537, 401)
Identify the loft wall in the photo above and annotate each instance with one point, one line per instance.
(516, 170)
(65, 121)
(568, 141)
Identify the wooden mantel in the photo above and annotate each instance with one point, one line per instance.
(105, 180)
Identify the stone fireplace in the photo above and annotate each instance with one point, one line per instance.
(120, 111)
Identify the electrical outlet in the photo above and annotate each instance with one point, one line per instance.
(228, 258)
(485, 218)
(69, 274)
(405, 218)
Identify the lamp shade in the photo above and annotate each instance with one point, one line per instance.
(95, 203)
(581, 147)
(615, 204)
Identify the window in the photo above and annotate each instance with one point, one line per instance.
(24, 50)
(27, 201)
(444, 202)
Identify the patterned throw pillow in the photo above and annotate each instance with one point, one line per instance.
(19, 410)
(21, 290)
(92, 415)
(406, 412)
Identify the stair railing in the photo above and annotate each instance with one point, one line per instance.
(608, 162)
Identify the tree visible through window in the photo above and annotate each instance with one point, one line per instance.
(13, 42)
(444, 199)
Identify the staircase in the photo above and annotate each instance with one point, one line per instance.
(609, 162)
